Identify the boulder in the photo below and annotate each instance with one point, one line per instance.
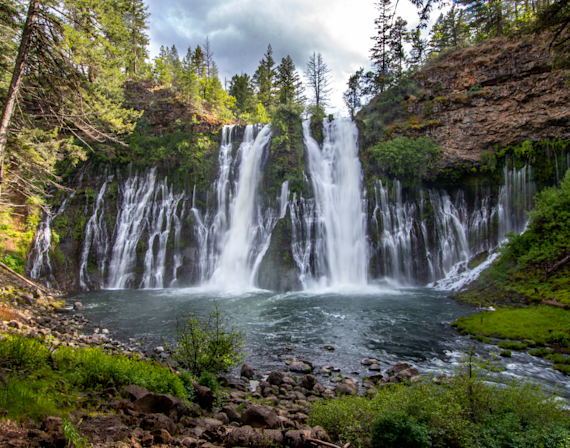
(247, 371)
(205, 397)
(161, 403)
(301, 367)
(153, 422)
(397, 368)
(231, 410)
(308, 382)
(78, 306)
(376, 377)
(369, 361)
(222, 417)
(162, 436)
(409, 375)
(295, 438)
(52, 425)
(259, 416)
(347, 387)
(135, 392)
(275, 378)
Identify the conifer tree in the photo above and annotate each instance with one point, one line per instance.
(264, 79)
(135, 18)
(198, 62)
(419, 48)
(242, 90)
(289, 84)
(380, 52)
(398, 37)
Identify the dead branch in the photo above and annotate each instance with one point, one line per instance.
(331, 445)
(557, 266)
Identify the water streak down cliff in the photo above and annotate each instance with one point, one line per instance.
(331, 235)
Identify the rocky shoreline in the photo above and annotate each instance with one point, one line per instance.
(254, 409)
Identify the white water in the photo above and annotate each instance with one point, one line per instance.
(336, 176)
(95, 235)
(131, 221)
(162, 214)
(40, 261)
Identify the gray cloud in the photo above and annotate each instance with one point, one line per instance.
(239, 32)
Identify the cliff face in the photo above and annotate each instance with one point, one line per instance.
(498, 93)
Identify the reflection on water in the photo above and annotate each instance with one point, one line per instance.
(388, 324)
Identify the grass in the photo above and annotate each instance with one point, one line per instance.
(465, 412)
(535, 323)
(41, 383)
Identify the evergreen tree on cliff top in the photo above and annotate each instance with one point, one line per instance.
(264, 79)
(290, 86)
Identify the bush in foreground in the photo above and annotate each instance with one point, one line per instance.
(208, 345)
(465, 411)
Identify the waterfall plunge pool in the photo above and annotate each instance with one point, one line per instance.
(390, 325)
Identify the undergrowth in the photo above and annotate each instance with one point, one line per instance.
(40, 382)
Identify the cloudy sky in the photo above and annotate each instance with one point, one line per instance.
(240, 30)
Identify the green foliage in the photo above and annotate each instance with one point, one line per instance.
(72, 436)
(400, 430)
(387, 108)
(548, 234)
(188, 380)
(509, 345)
(406, 158)
(466, 411)
(41, 383)
(208, 345)
(14, 261)
(534, 322)
(91, 368)
(208, 380)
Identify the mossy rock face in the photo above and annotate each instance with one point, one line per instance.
(478, 259)
(277, 270)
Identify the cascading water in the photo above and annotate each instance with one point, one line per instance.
(248, 229)
(40, 261)
(162, 213)
(95, 235)
(136, 193)
(340, 237)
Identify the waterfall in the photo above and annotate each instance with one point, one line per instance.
(95, 235)
(336, 177)
(162, 213)
(39, 260)
(132, 218)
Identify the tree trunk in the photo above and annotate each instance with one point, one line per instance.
(17, 74)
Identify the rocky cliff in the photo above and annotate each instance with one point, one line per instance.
(493, 95)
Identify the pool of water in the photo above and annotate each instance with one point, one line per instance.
(391, 325)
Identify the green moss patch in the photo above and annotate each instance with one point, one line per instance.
(534, 323)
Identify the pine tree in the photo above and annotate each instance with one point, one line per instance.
(289, 84)
(135, 18)
(208, 57)
(318, 79)
(242, 90)
(198, 62)
(264, 79)
(419, 48)
(380, 52)
(398, 36)
(189, 83)
(487, 16)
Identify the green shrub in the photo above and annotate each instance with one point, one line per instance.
(509, 345)
(399, 430)
(208, 345)
(558, 337)
(467, 411)
(208, 380)
(15, 262)
(407, 158)
(188, 380)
